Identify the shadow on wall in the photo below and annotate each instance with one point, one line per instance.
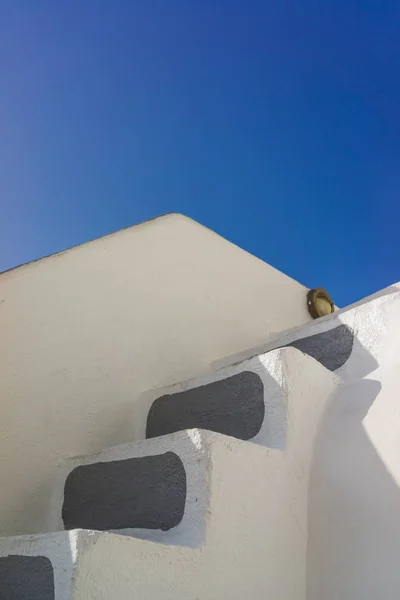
(273, 430)
(354, 506)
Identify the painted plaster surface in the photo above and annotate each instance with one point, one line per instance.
(353, 515)
(281, 382)
(370, 322)
(233, 406)
(354, 532)
(254, 507)
(167, 502)
(85, 332)
(26, 578)
(38, 567)
(331, 348)
(147, 492)
(253, 503)
(354, 537)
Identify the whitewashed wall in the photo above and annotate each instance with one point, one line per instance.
(354, 503)
(83, 332)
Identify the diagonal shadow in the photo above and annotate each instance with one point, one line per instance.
(354, 506)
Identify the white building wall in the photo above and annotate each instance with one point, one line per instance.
(85, 331)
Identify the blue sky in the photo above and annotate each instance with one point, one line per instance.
(274, 123)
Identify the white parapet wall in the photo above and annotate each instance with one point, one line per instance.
(84, 332)
(354, 502)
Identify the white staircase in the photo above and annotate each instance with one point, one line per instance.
(230, 488)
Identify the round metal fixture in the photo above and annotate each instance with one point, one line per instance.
(319, 303)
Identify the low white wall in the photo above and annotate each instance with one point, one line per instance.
(83, 332)
(354, 505)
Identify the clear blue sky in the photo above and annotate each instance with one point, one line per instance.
(274, 123)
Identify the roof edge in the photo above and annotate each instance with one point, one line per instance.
(162, 216)
(61, 252)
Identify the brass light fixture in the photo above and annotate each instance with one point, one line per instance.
(319, 303)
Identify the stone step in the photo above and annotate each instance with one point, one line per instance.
(247, 400)
(352, 342)
(38, 567)
(158, 489)
(89, 565)
(237, 501)
(164, 489)
(230, 517)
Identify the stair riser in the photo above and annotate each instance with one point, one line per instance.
(246, 401)
(157, 489)
(37, 567)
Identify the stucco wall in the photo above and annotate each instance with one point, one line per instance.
(245, 510)
(354, 504)
(85, 331)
